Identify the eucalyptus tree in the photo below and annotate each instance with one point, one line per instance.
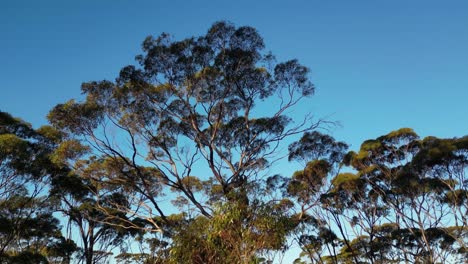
(421, 187)
(401, 200)
(29, 233)
(97, 234)
(321, 230)
(199, 121)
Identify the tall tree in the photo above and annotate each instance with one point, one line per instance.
(186, 123)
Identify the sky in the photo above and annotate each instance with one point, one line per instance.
(377, 65)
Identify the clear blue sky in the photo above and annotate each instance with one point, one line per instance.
(377, 65)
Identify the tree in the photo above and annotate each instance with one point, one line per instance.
(29, 233)
(79, 192)
(412, 178)
(403, 200)
(186, 124)
(308, 188)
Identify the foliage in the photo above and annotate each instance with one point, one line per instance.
(185, 124)
(29, 233)
(403, 200)
(176, 161)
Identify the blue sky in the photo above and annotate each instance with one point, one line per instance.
(377, 65)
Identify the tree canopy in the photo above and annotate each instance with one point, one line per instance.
(203, 152)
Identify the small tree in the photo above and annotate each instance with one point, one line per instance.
(83, 200)
(29, 233)
(402, 200)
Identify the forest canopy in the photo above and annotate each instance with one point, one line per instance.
(203, 152)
